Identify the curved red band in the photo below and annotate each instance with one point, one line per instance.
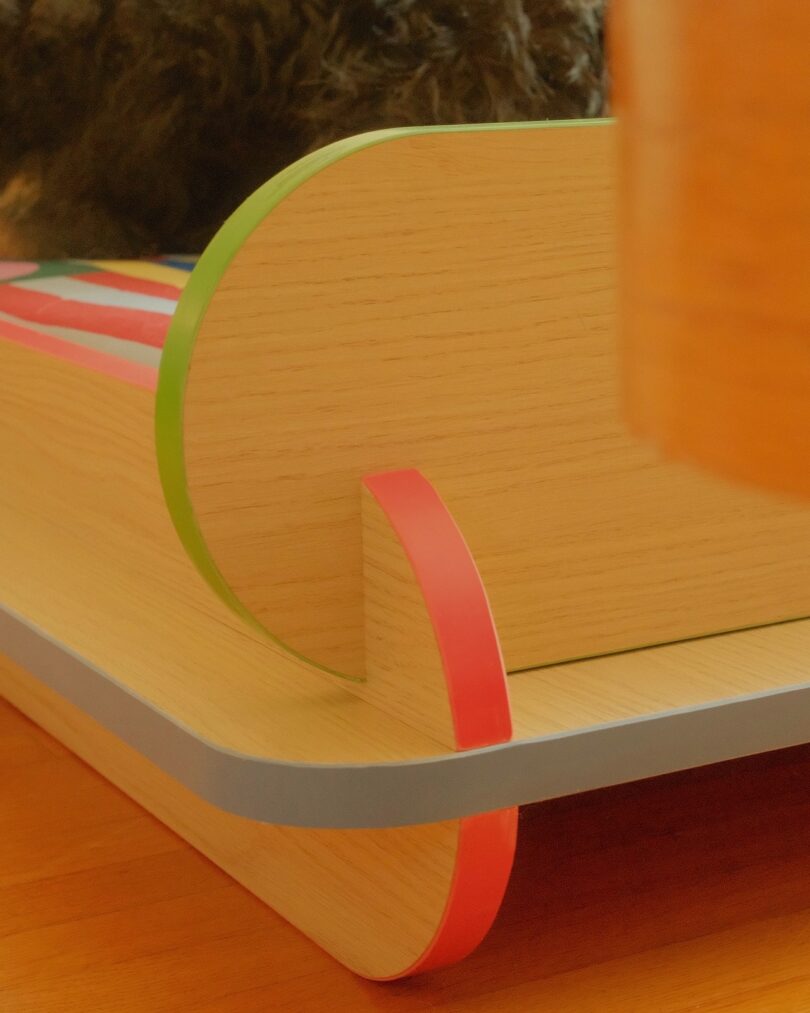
(456, 602)
(474, 671)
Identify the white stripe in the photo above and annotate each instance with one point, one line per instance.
(98, 295)
(132, 351)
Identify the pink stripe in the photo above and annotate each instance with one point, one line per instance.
(134, 373)
(133, 325)
(125, 283)
(16, 269)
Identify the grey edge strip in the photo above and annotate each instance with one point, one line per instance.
(416, 791)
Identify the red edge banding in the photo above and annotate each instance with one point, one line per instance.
(134, 373)
(474, 670)
(456, 602)
(486, 851)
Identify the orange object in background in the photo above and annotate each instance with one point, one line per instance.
(713, 101)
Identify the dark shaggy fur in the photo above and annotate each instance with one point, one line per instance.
(129, 127)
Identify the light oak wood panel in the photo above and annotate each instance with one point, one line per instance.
(687, 674)
(445, 302)
(715, 231)
(685, 893)
(374, 899)
(88, 553)
(383, 902)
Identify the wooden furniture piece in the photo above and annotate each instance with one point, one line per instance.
(712, 103)
(422, 576)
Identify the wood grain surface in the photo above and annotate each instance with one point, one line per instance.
(374, 899)
(715, 231)
(88, 554)
(445, 302)
(685, 894)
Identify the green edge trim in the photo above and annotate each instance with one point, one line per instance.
(178, 351)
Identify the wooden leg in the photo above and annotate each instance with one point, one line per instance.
(386, 903)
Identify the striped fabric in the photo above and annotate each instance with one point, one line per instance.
(92, 310)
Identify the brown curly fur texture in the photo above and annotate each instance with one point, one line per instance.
(131, 127)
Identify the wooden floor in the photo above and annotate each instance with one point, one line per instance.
(687, 893)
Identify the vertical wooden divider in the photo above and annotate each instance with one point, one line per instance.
(433, 659)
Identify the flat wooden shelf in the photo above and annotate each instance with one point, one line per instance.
(130, 632)
(717, 699)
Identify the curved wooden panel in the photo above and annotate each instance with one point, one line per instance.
(384, 902)
(713, 101)
(444, 301)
